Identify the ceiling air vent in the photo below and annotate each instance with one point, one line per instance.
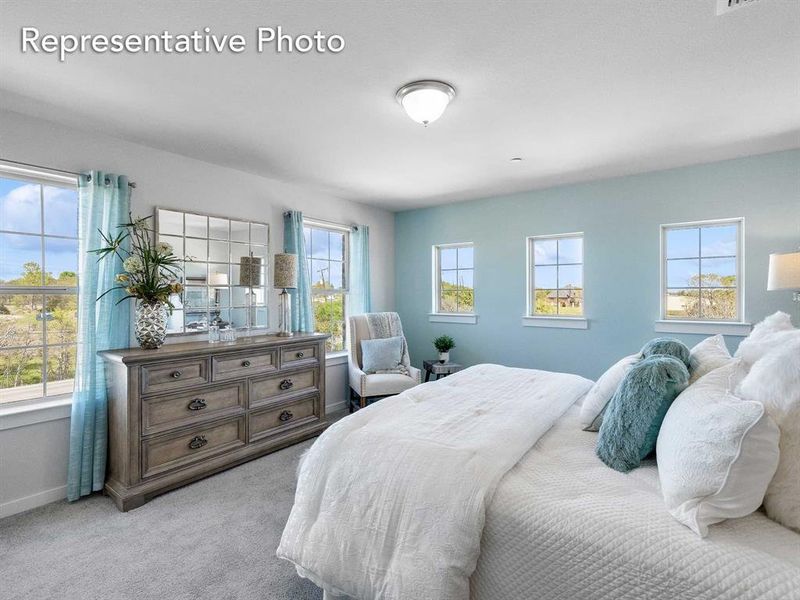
(726, 6)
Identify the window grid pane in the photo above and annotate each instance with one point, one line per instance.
(455, 293)
(713, 251)
(557, 275)
(38, 326)
(326, 254)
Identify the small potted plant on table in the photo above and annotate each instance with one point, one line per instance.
(444, 343)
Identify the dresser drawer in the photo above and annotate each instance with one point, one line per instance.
(172, 376)
(171, 451)
(284, 385)
(160, 413)
(233, 366)
(297, 355)
(276, 418)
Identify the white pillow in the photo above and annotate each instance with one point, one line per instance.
(774, 380)
(766, 335)
(716, 453)
(597, 398)
(710, 354)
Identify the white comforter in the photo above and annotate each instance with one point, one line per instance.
(391, 501)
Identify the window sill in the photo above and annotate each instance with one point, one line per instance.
(465, 318)
(703, 327)
(557, 322)
(33, 412)
(336, 358)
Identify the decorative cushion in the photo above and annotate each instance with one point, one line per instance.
(595, 402)
(771, 332)
(706, 356)
(634, 415)
(381, 355)
(668, 346)
(716, 453)
(774, 381)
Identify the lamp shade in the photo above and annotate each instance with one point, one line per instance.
(285, 271)
(784, 271)
(250, 271)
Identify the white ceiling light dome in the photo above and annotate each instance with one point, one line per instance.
(425, 101)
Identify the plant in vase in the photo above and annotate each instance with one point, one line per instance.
(444, 343)
(151, 277)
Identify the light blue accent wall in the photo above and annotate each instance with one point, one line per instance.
(620, 219)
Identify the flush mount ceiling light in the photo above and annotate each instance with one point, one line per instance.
(425, 101)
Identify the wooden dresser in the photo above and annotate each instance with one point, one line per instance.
(186, 411)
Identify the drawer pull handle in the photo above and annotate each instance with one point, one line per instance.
(198, 441)
(286, 416)
(176, 374)
(300, 355)
(246, 363)
(197, 404)
(286, 384)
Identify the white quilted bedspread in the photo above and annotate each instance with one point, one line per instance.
(563, 526)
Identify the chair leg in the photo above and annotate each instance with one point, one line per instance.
(362, 401)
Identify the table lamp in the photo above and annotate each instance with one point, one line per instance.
(784, 273)
(285, 278)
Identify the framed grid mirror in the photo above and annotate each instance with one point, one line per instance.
(224, 270)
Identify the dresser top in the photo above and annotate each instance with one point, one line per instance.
(183, 349)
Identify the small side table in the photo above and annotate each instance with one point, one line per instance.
(439, 369)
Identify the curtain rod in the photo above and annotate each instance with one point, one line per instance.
(331, 224)
(22, 164)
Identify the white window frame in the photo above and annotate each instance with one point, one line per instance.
(437, 315)
(47, 405)
(530, 318)
(346, 230)
(735, 326)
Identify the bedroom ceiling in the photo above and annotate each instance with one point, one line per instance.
(580, 90)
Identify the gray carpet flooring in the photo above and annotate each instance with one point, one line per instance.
(211, 540)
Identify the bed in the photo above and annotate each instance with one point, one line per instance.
(483, 486)
(562, 525)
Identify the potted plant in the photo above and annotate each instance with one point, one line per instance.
(151, 277)
(444, 343)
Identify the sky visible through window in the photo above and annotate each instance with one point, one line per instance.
(38, 289)
(557, 274)
(701, 272)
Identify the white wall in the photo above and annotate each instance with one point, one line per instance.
(33, 457)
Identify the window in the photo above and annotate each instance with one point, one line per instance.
(327, 250)
(555, 270)
(224, 270)
(701, 271)
(38, 284)
(454, 279)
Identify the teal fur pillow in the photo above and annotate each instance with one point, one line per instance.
(668, 346)
(381, 354)
(634, 414)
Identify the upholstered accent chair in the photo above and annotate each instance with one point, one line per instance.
(363, 386)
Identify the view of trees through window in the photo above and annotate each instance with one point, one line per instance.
(701, 272)
(456, 279)
(326, 256)
(557, 275)
(38, 289)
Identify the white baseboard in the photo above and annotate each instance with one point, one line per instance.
(33, 501)
(335, 407)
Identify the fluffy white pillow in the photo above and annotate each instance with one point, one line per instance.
(773, 331)
(595, 402)
(706, 356)
(716, 453)
(774, 380)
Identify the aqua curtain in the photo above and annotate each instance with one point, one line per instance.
(359, 299)
(294, 243)
(104, 202)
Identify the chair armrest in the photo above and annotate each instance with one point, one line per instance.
(358, 379)
(415, 374)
